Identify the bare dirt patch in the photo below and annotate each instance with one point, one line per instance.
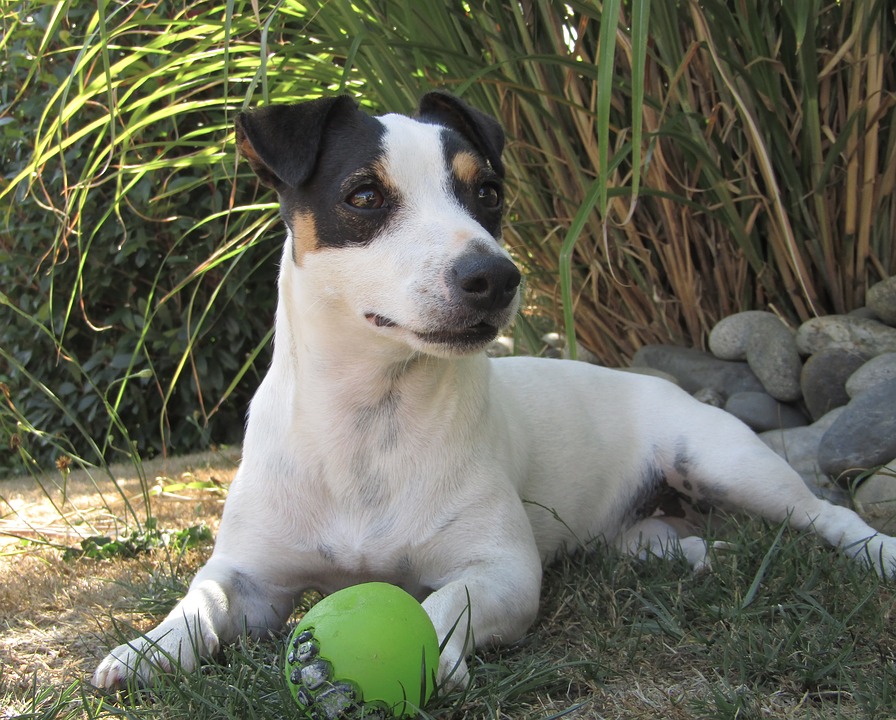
(55, 615)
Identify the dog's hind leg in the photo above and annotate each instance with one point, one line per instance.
(655, 536)
(721, 462)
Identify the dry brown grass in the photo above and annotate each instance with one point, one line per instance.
(767, 152)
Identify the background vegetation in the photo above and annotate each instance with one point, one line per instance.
(746, 159)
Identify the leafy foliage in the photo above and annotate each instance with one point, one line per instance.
(141, 277)
(148, 538)
(761, 174)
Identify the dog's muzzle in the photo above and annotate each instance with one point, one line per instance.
(482, 288)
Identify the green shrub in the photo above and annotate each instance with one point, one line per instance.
(138, 273)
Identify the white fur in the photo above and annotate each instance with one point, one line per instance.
(371, 455)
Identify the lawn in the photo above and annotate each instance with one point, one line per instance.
(782, 627)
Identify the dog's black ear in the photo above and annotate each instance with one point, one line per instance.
(281, 142)
(480, 129)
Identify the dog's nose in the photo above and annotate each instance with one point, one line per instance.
(486, 282)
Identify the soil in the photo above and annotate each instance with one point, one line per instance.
(55, 614)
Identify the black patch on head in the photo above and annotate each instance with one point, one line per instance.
(315, 155)
(281, 142)
(318, 154)
(350, 157)
(467, 189)
(482, 130)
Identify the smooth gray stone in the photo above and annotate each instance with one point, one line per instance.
(863, 312)
(768, 346)
(861, 335)
(878, 492)
(875, 371)
(695, 369)
(876, 499)
(728, 339)
(881, 300)
(762, 412)
(863, 436)
(824, 377)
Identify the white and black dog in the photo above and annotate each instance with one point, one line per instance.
(384, 445)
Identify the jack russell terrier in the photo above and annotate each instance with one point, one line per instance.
(384, 445)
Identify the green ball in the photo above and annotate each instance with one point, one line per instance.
(366, 651)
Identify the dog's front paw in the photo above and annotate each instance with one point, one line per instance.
(162, 650)
(453, 672)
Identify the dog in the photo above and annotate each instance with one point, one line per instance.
(383, 444)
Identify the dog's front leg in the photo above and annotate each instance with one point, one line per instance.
(488, 589)
(480, 611)
(221, 603)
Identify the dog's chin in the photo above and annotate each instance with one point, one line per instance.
(444, 341)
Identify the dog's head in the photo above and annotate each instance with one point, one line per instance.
(393, 221)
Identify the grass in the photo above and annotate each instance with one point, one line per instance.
(781, 628)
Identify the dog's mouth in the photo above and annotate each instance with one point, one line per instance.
(379, 320)
(467, 337)
(472, 336)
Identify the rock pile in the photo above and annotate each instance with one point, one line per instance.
(822, 396)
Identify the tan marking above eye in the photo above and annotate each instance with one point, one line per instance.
(304, 236)
(466, 166)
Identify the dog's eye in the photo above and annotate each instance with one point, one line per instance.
(366, 197)
(490, 195)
